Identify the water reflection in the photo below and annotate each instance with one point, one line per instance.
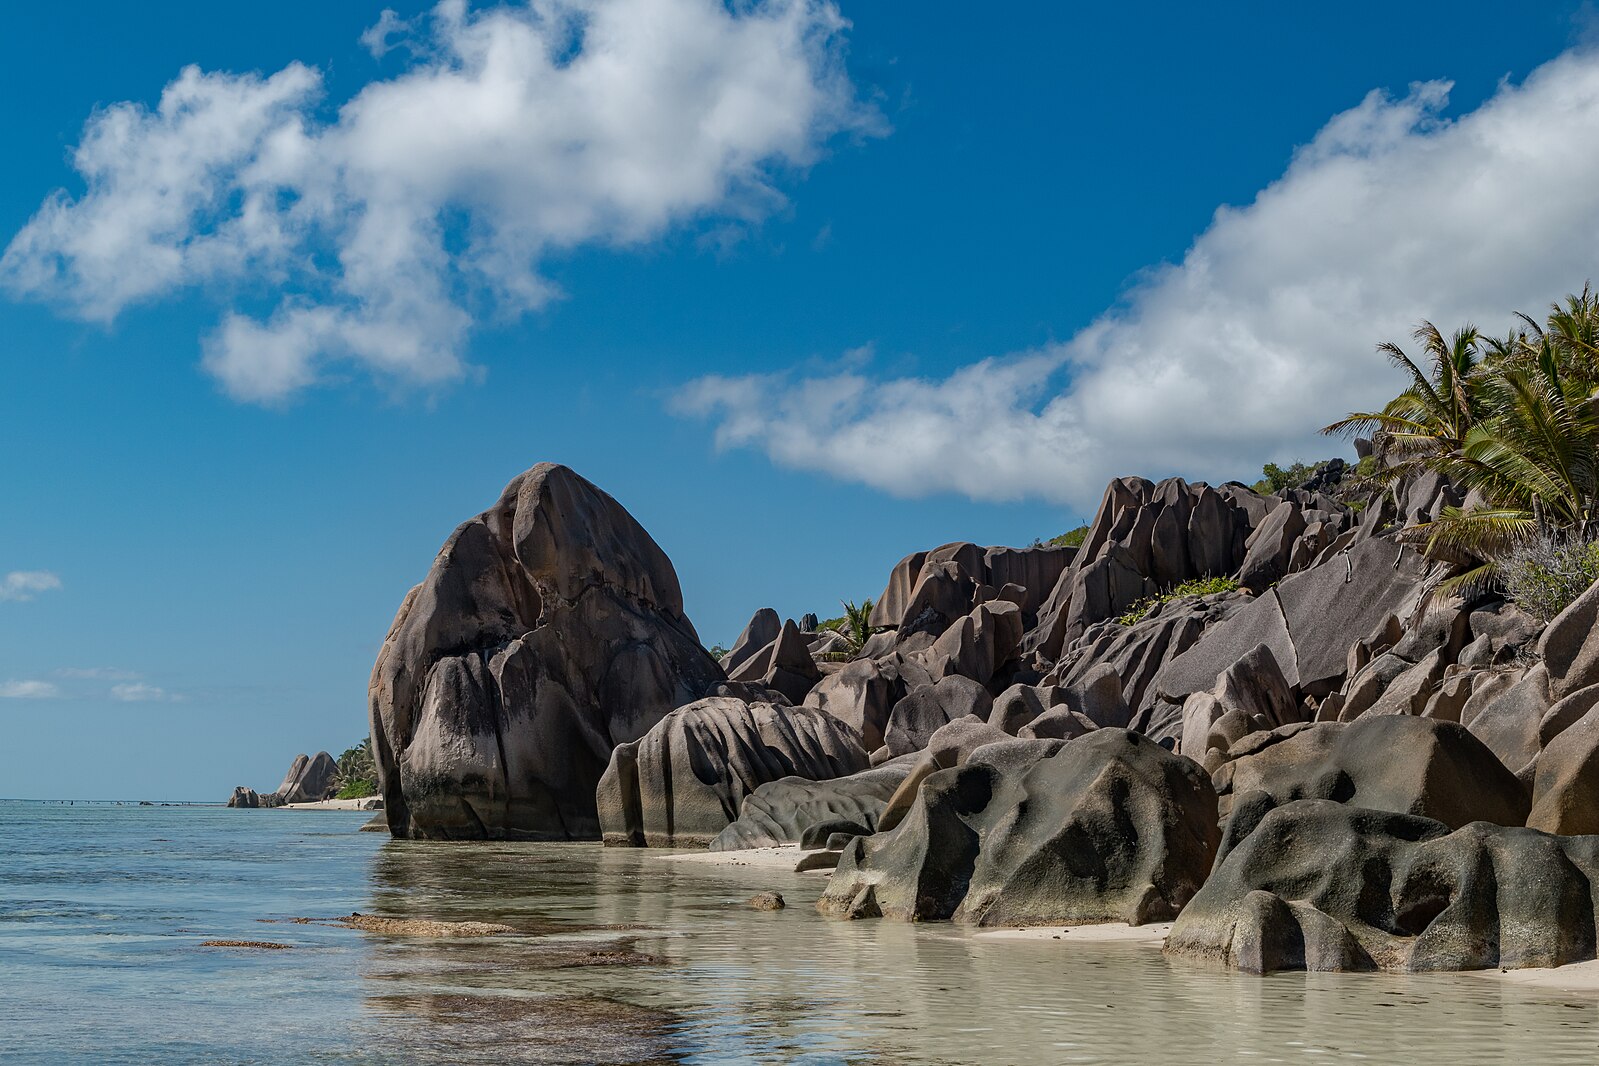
(683, 971)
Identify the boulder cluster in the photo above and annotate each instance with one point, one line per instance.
(311, 779)
(1324, 760)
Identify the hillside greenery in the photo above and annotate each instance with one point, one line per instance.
(357, 774)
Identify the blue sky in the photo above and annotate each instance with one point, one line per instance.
(780, 371)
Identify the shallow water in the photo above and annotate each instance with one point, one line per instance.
(624, 956)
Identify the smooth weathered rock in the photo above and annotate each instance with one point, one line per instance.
(889, 607)
(949, 747)
(1271, 547)
(1565, 788)
(1137, 654)
(684, 781)
(781, 812)
(1307, 620)
(1020, 704)
(1418, 766)
(1110, 827)
(1509, 722)
(1569, 646)
(1058, 723)
(763, 629)
(785, 665)
(549, 629)
(1096, 694)
(310, 779)
(977, 645)
(928, 708)
(244, 798)
(861, 696)
(1034, 571)
(1325, 886)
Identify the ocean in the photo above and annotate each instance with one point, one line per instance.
(621, 956)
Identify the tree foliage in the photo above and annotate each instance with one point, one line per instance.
(357, 772)
(1513, 422)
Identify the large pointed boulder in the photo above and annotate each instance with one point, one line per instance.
(549, 629)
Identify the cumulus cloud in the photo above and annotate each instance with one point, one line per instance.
(28, 690)
(24, 585)
(431, 197)
(1264, 330)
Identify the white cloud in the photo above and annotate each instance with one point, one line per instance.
(514, 132)
(28, 690)
(1262, 333)
(139, 692)
(24, 585)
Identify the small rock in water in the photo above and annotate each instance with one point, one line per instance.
(261, 945)
(767, 901)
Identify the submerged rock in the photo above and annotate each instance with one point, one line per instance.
(549, 630)
(1108, 827)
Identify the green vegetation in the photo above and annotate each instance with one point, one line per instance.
(1277, 478)
(1203, 586)
(1544, 574)
(357, 772)
(1072, 538)
(1514, 423)
(854, 625)
(718, 652)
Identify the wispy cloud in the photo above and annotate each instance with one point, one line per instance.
(434, 195)
(24, 585)
(139, 692)
(1264, 331)
(97, 673)
(28, 690)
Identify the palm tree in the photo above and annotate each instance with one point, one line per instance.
(1513, 422)
(1534, 461)
(857, 624)
(1432, 417)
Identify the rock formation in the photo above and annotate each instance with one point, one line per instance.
(1327, 886)
(784, 811)
(685, 780)
(1109, 827)
(1323, 760)
(310, 779)
(549, 630)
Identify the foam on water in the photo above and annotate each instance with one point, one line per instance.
(623, 956)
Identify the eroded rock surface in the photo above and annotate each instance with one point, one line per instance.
(1108, 827)
(549, 630)
(685, 780)
(1326, 886)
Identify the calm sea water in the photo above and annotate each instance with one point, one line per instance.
(623, 957)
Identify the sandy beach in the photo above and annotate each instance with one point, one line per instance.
(1107, 932)
(782, 857)
(365, 803)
